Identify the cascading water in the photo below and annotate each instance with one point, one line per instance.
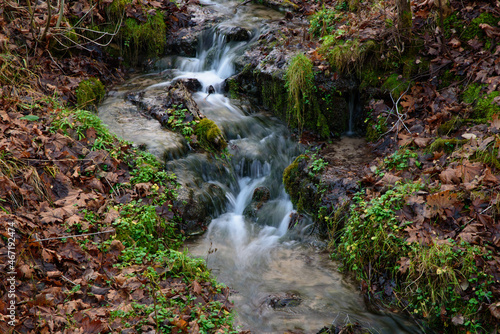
(258, 255)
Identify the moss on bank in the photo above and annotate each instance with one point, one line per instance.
(90, 93)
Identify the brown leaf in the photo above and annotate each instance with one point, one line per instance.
(468, 171)
(449, 176)
(495, 310)
(388, 179)
(196, 287)
(95, 326)
(440, 201)
(457, 320)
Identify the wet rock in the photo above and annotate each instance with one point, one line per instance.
(198, 205)
(191, 84)
(236, 34)
(330, 190)
(261, 195)
(179, 92)
(277, 301)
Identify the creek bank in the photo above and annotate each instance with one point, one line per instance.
(426, 218)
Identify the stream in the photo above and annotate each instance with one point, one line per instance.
(280, 275)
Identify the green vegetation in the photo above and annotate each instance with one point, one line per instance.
(430, 278)
(348, 56)
(178, 122)
(209, 135)
(323, 22)
(446, 145)
(400, 160)
(144, 38)
(472, 30)
(90, 93)
(396, 85)
(304, 110)
(483, 104)
(374, 130)
(450, 126)
(317, 165)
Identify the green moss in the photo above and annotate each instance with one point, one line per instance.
(209, 135)
(370, 77)
(483, 104)
(472, 30)
(448, 78)
(452, 24)
(291, 179)
(274, 96)
(447, 145)
(450, 126)
(302, 101)
(234, 88)
(144, 38)
(117, 8)
(395, 84)
(90, 93)
(349, 56)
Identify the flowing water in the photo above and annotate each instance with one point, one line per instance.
(260, 256)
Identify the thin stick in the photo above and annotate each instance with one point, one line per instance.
(73, 236)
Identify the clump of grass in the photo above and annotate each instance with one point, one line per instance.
(299, 81)
(349, 56)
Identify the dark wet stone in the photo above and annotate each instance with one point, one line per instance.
(192, 85)
(237, 34)
(285, 300)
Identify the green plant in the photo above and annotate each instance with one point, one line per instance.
(302, 102)
(399, 160)
(447, 145)
(371, 233)
(323, 22)
(317, 165)
(348, 56)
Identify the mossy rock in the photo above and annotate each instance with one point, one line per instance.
(302, 188)
(209, 135)
(90, 93)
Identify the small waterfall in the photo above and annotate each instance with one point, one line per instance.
(355, 111)
(257, 256)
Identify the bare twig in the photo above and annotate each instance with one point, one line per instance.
(73, 236)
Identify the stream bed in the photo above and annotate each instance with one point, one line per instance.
(280, 275)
